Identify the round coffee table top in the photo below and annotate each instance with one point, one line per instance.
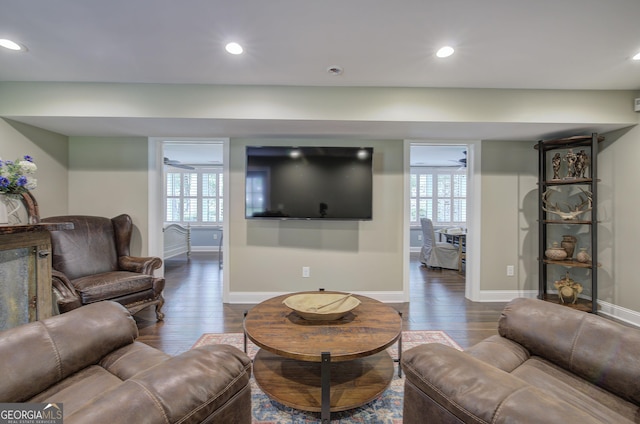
(368, 329)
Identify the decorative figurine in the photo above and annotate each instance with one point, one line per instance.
(556, 162)
(582, 161)
(568, 290)
(571, 158)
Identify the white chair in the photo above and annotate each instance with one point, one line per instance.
(436, 254)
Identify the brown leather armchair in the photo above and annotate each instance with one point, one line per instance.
(89, 361)
(548, 364)
(92, 263)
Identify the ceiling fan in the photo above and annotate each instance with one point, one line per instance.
(462, 162)
(176, 164)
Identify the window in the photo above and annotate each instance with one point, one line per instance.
(439, 194)
(255, 192)
(194, 196)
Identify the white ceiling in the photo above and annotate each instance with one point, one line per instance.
(562, 44)
(543, 44)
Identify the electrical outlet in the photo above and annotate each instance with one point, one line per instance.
(419, 237)
(215, 236)
(510, 271)
(306, 271)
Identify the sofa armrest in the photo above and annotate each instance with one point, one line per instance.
(186, 388)
(143, 265)
(473, 391)
(67, 298)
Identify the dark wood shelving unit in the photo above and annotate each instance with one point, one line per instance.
(546, 219)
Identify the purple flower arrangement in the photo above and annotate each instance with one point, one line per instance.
(16, 177)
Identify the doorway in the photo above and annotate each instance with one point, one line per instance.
(193, 192)
(188, 188)
(439, 186)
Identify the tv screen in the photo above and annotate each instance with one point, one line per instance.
(285, 182)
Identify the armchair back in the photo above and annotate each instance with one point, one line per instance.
(90, 248)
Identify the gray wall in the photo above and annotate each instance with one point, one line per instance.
(267, 257)
(342, 255)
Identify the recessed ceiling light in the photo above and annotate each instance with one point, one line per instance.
(636, 57)
(11, 45)
(234, 48)
(445, 51)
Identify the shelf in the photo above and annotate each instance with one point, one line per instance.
(584, 305)
(20, 229)
(567, 221)
(585, 181)
(581, 140)
(572, 263)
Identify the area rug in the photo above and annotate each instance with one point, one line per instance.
(386, 409)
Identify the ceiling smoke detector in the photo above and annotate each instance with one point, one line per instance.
(335, 70)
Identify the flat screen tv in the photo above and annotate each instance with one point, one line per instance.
(330, 183)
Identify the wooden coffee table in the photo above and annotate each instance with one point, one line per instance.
(323, 366)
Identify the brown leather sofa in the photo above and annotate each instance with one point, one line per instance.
(88, 360)
(92, 263)
(548, 364)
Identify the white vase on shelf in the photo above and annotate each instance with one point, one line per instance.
(9, 205)
(4, 216)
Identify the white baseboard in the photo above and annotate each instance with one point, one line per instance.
(257, 297)
(204, 249)
(505, 295)
(606, 308)
(619, 313)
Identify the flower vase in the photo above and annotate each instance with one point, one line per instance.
(4, 215)
(9, 205)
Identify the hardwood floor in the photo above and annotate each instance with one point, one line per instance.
(193, 294)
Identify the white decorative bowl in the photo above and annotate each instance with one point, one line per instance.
(310, 306)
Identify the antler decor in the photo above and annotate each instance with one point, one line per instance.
(573, 211)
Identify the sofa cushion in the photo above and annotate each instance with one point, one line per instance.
(129, 360)
(500, 352)
(111, 285)
(75, 391)
(174, 391)
(575, 391)
(476, 392)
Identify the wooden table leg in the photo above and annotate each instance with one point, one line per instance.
(325, 377)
